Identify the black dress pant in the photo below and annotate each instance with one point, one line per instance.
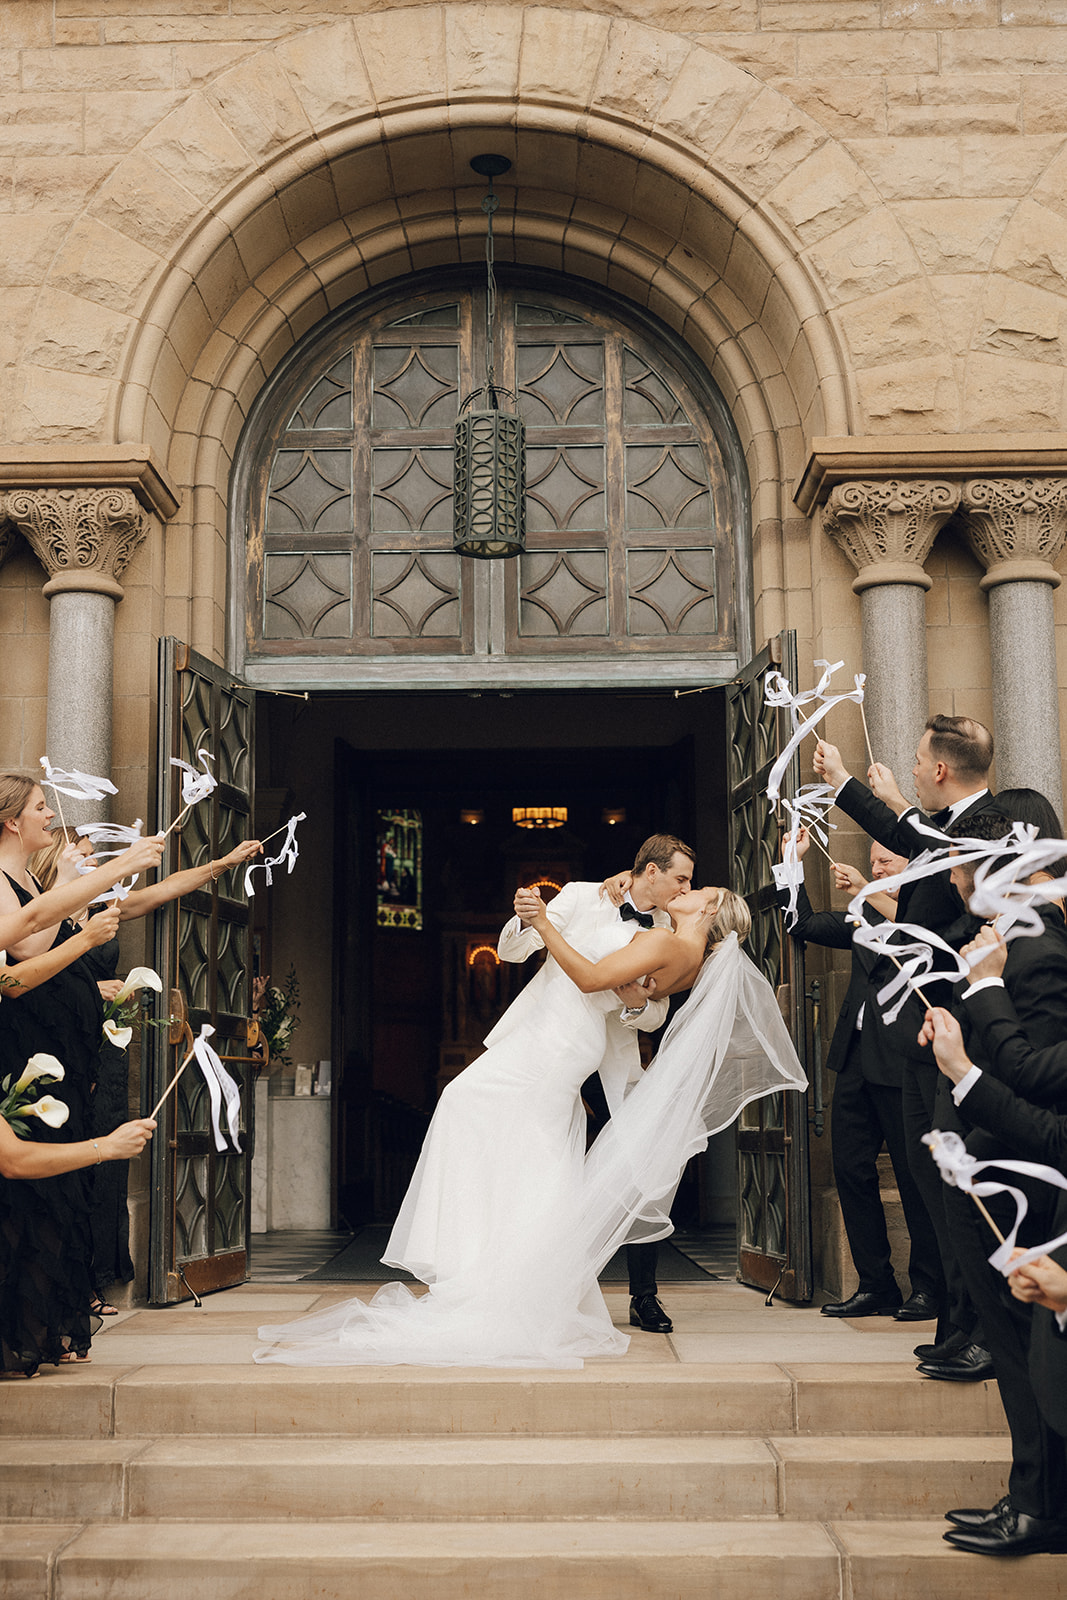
(1038, 1481)
(924, 1110)
(863, 1117)
(641, 1259)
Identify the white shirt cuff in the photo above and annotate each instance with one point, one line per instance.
(781, 875)
(982, 983)
(962, 1089)
(1061, 1320)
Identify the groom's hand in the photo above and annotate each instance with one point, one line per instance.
(528, 906)
(636, 995)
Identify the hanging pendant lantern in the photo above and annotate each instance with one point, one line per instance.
(489, 481)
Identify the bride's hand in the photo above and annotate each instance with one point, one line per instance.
(617, 888)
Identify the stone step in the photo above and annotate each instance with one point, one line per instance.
(757, 1400)
(879, 1560)
(688, 1478)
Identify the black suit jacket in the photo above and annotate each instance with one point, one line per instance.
(931, 903)
(1036, 1075)
(879, 1062)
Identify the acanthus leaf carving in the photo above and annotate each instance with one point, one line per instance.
(1016, 526)
(84, 538)
(887, 528)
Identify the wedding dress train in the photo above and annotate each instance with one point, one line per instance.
(508, 1221)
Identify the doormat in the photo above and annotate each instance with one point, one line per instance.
(360, 1262)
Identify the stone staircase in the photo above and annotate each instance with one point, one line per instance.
(642, 1482)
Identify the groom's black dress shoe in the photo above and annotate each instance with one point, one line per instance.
(1013, 1534)
(971, 1518)
(919, 1308)
(864, 1303)
(971, 1365)
(647, 1313)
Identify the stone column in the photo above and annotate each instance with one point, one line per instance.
(886, 530)
(1016, 527)
(84, 539)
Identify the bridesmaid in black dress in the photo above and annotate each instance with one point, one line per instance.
(50, 1004)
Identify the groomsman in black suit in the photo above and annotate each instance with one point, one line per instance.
(950, 776)
(865, 1114)
(1029, 1351)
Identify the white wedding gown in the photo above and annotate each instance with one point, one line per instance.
(509, 1221)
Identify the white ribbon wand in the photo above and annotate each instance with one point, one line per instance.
(79, 785)
(289, 853)
(220, 1086)
(196, 786)
(108, 833)
(1003, 896)
(958, 1167)
(778, 692)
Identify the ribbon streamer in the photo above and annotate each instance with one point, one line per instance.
(778, 691)
(108, 833)
(959, 1169)
(78, 785)
(289, 853)
(1005, 896)
(220, 1086)
(196, 786)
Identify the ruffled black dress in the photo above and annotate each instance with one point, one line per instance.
(111, 1107)
(45, 1237)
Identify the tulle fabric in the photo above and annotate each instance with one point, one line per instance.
(509, 1223)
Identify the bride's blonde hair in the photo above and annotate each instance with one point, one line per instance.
(732, 916)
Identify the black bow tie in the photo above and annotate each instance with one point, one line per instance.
(940, 818)
(630, 913)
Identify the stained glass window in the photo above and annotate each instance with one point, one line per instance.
(399, 869)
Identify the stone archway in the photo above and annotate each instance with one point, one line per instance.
(325, 164)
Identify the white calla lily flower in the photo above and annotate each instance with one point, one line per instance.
(120, 1037)
(50, 1110)
(139, 978)
(39, 1066)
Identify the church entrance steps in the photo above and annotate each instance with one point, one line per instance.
(885, 1560)
(614, 1398)
(688, 1478)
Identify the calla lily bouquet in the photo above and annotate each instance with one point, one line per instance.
(23, 1100)
(128, 1006)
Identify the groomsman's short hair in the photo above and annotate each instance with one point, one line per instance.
(964, 745)
(660, 850)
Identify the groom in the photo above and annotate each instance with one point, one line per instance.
(662, 870)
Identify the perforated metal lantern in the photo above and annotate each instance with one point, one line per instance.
(489, 515)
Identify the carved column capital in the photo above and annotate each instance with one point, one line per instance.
(886, 528)
(84, 538)
(1016, 527)
(7, 531)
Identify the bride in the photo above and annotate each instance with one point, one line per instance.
(506, 1219)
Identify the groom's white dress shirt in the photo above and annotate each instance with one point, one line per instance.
(580, 913)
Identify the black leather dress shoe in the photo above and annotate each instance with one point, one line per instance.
(974, 1518)
(646, 1312)
(864, 1304)
(1014, 1534)
(948, 1347)
(918, 1308)
(972, 1365)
